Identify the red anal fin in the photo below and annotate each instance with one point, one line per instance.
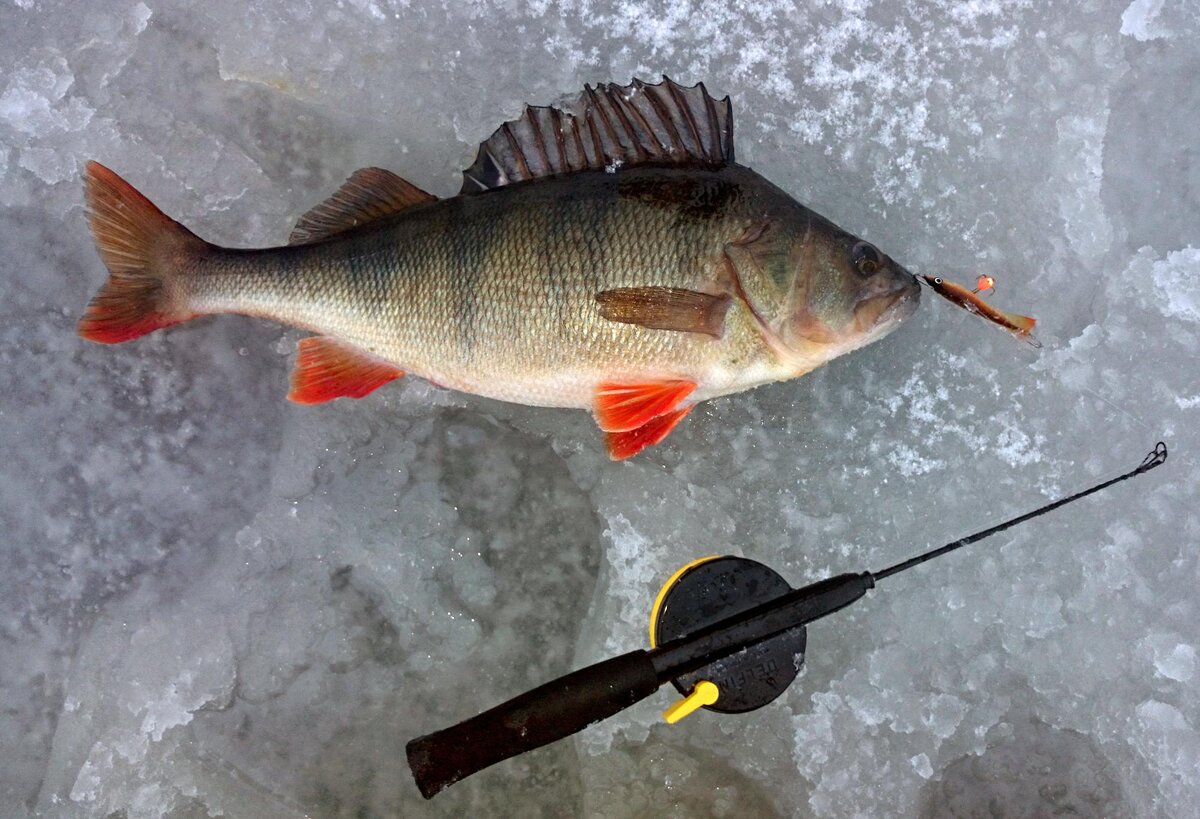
(622, 445)
(624, 407)
(666, 308)
(327, 369)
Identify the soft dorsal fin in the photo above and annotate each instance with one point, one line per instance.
(608, 126)
(369, 194)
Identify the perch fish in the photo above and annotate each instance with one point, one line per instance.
(607, 254)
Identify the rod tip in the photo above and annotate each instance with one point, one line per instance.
(1156, 457)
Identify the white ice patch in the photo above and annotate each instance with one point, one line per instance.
(1176, 284)
(1140, 20)
(1081, 150)
(921, 765)
(1168, 741)
(1172, 659)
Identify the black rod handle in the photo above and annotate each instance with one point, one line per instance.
(547, 713)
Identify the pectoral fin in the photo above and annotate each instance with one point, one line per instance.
(626, 407)
(327, 368)
(666, 308)
(622, 445)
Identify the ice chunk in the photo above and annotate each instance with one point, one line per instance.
(1170, 744)
(921, 765)
(1175, 284)
(1172, 659)
(1140, 20)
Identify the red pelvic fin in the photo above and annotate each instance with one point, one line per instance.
(142, 249)
(327, 368)
(624, 407)
(622, 445)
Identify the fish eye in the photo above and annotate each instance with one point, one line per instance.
(866, 258)
(937, 280)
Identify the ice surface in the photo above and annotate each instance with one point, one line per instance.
(213, 603)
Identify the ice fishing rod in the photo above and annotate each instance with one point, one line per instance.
(728, 632)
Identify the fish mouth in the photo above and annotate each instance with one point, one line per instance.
(880, 312)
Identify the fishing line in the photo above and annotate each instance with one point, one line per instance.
(1124, 412)
(1156, 457)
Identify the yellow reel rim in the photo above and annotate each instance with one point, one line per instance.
(666, 587)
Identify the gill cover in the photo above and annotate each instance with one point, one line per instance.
(812, 293)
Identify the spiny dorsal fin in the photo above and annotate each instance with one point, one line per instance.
(608, 126)
(369, 194)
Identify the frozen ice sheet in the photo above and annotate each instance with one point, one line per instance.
(215, 603)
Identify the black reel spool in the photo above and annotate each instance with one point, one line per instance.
(713, 589)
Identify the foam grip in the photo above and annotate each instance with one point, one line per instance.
(546, 714)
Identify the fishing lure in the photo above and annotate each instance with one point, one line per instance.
(969, 300)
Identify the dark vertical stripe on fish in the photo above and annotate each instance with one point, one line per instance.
(469, 245)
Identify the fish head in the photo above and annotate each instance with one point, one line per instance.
(820, 291)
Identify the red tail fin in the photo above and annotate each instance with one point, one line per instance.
(141, 247)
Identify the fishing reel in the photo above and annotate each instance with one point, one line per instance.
(728, 633)
(705, 592)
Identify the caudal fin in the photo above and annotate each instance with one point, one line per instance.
(143, 249)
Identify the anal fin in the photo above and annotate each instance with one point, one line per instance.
(625, 407)
(666, 308)
(327, 368)
(622, 445)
